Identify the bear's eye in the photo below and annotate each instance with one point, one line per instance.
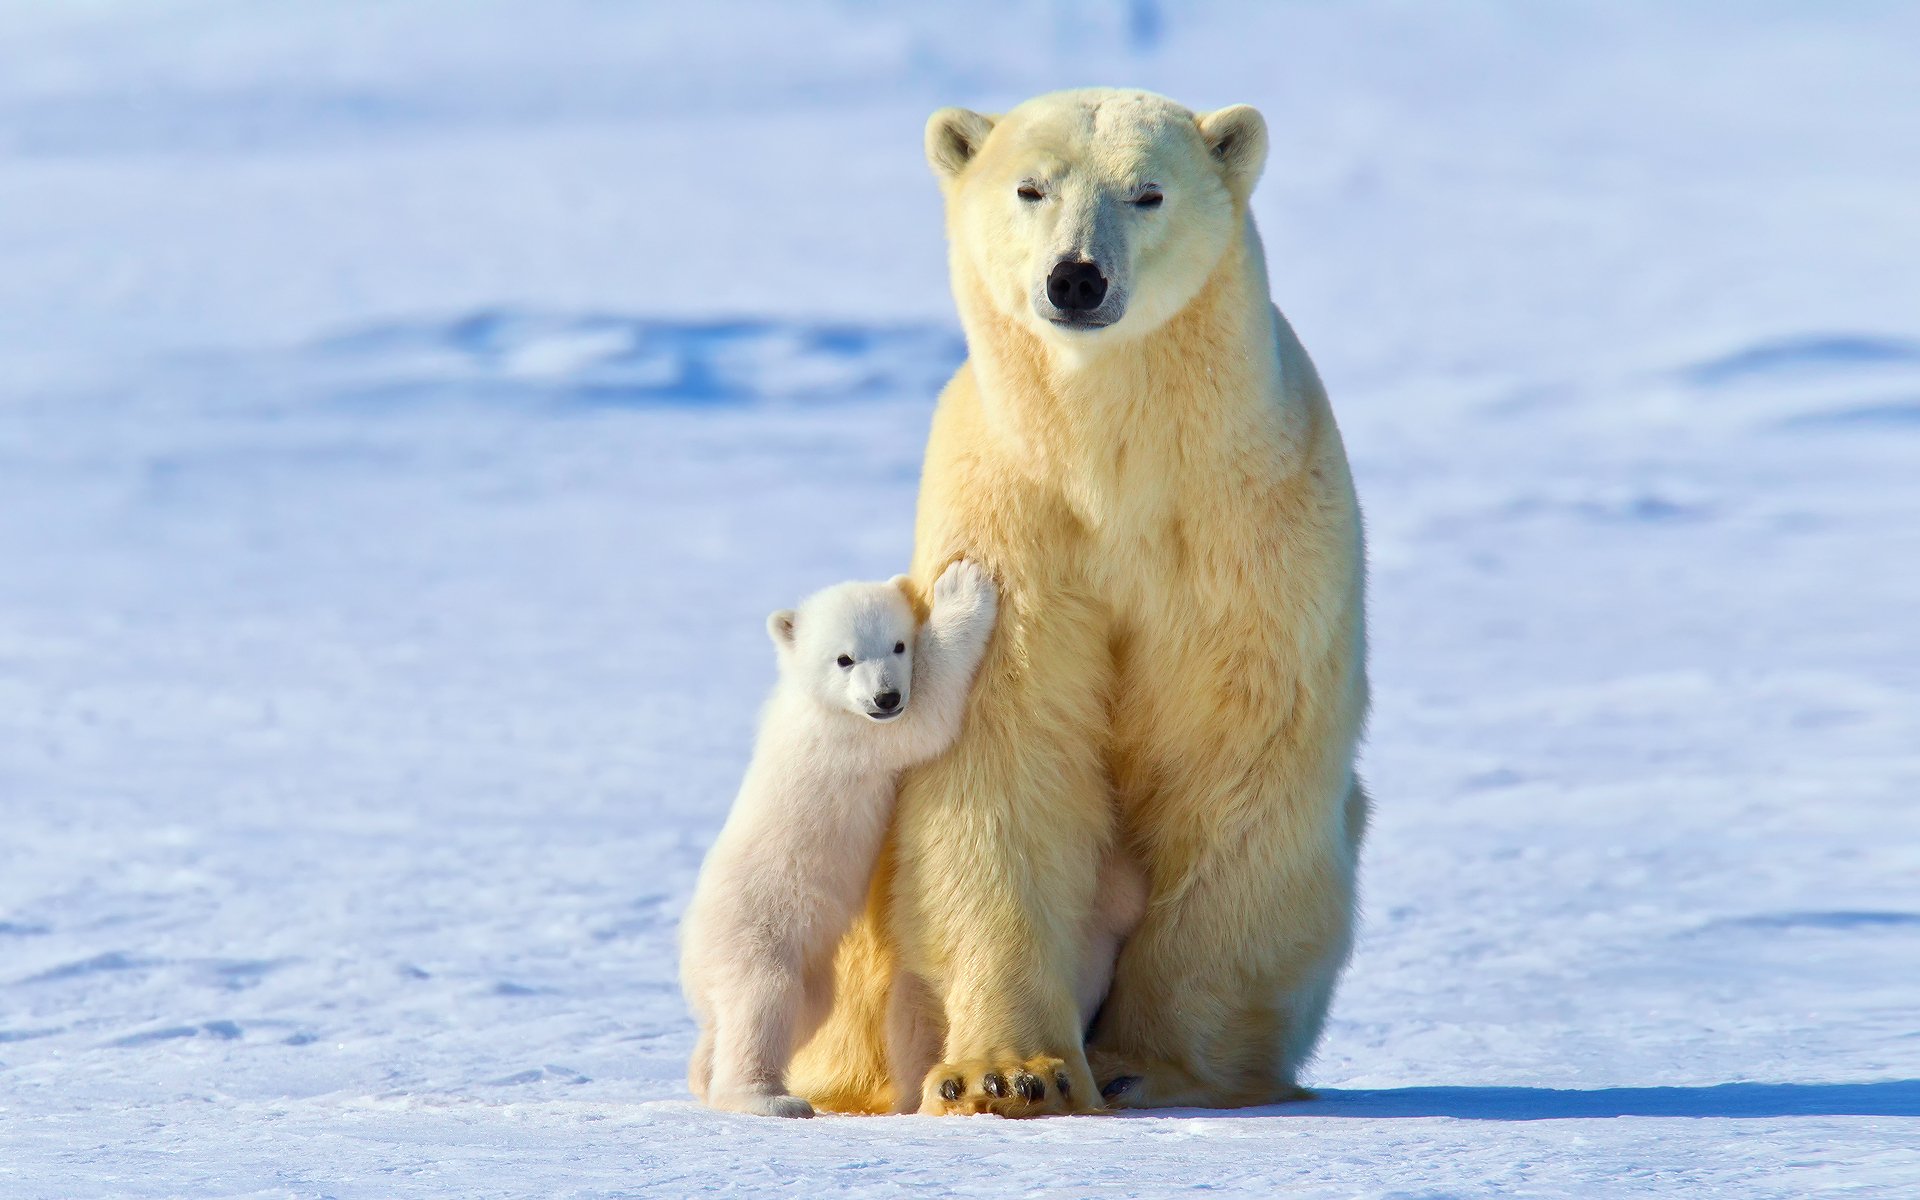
(1031, 192)
(899, 647)
(844, 660)
(1148, 198)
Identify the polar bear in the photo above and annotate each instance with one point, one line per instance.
(864, 692)
(1141, 452)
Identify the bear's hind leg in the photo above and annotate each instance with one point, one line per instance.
(1177, 1030)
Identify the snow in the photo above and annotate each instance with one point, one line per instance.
(409, 412)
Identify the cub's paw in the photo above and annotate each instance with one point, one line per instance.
(1033, 1087)
(762, 1104)
(965, 585)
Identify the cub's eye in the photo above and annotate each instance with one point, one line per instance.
(844, 660)
(1030, 193)
(899, 647)
(1150, 198)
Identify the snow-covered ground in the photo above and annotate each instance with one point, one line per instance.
(408, 413)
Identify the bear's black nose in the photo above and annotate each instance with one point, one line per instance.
(1076, 287)
(887, 701)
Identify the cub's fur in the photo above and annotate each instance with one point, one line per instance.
(864, 693)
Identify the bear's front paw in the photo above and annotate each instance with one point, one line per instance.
(1032, 1087)
(966, 586)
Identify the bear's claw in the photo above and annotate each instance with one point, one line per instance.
(1017, 1089)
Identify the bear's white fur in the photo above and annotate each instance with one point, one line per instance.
(864, 692)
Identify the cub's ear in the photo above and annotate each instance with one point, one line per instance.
(912, 593)
(1236, 137)
(780, 628)
(954, 136)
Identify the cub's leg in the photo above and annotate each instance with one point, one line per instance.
(700, 1066)
(913, 1039)
(754, 1019)
(843, 1066)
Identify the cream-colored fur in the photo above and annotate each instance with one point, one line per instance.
(1179, 670)
(913, 1036)
(863, 694)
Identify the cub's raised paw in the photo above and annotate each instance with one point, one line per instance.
(965, 584)
(1033, 1087)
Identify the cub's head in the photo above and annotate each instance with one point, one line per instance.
(1096, 214)
(850, 647)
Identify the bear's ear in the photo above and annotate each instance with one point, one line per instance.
(780, 628)
(912, 593)
(1236, 136)
(954, 136)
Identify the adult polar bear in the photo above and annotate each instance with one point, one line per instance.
(1142, 454)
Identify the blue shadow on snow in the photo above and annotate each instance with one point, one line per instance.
(1889, 1098)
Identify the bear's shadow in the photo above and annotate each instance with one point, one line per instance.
(1887, 1098)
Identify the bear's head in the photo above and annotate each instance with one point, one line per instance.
(850, 647)
(1097, 214)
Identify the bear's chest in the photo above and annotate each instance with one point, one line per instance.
(1186, 560)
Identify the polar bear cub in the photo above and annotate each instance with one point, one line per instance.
(864, 692)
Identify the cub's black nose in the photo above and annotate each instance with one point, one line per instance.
(887, 701)
(1076, 287)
